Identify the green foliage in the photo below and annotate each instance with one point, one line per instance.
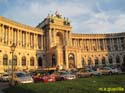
(83, 85)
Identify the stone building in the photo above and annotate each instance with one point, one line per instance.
(52, 44)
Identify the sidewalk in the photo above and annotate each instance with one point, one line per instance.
(3, 85)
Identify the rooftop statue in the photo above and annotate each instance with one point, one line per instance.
(57, 14)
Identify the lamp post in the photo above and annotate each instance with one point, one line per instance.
(13, 46)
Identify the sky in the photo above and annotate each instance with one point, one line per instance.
(86, 16)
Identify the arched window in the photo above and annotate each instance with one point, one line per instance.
(83, 62)
(14, 60)
(71, 59)
(96, 61)
(117, 59)
(23, 61)
(32, 61)
(103, 61)
(54, 63)
(123, 59)
(110, 60)
(89, 61)
(5, 59)
(40, 61)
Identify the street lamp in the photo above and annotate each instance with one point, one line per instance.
(13, 46)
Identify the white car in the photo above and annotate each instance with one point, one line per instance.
(67, 75)
(94, 72)
(113, 70)
(5, 77)
(22, 78)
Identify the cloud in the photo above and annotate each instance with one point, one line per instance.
(87, 16)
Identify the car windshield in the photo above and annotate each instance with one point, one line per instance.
(5, 75)
(64, 73)
(21, 74)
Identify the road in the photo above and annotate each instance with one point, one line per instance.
(3, 85)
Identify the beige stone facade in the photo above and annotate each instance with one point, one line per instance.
(52, 44)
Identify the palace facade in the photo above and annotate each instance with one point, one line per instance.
(51, 44)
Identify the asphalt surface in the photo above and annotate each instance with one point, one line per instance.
(3, 85)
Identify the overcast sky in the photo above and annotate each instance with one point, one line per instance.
(86, 16)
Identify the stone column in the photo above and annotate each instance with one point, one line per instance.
(21, 38)
(18, 36)
(67, 38)
(50, 38)
(9, 36)
(0, 33)
(110, 44)
(66, 56)
(98, 44)
(104, 44)
(26, 39)
(41, 42)
(3, 34)
(124, 43)
(36, 41)
(11, 30)
(118, 43)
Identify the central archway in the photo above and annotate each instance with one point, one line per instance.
(40, 62)
(54, 63)
(71, 59)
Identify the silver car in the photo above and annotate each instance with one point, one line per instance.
(5, 77)
(22, 78)
(67, 75)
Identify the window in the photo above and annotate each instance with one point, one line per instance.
(110, 60)
(117, 59)
(14, 60)
(103, 61)
(23, 61)
(32, 61)
(96, 61)
(83, 62)
(54, 61)
(40, 61)
(5, 59)
(89, 61)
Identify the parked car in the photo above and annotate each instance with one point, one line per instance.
(67, 75)
(5, 77)
(113, 70)
(21, 78)
(83, 73)
(43, 76)
(94, 72)
(58, 77)
(104, 70)
(1, 76)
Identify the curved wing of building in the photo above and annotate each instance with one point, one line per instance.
(52, 45)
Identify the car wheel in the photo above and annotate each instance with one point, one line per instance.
(79, 76)
(15, 83)
(62, 79)
(110, 73)
(92, 75)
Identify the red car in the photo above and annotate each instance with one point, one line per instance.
(43, 76)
